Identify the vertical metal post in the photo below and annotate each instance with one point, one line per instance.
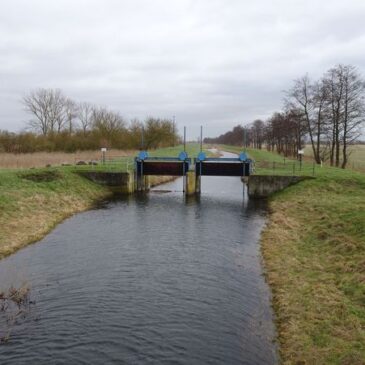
(314, 166)
(142, 139)
(184, 139)
(300, 162)
(201, 138)
(184, 175)
(142, 179)
(173, 130)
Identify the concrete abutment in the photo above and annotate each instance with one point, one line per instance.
(259, 186)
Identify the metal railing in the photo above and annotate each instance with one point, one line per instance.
(285, 168)
(110, 164)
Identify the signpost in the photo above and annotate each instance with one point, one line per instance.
(300, 153)
(103, 152)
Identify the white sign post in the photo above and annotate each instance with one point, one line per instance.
(103, 152)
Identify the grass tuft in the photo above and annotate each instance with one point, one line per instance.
(41, 176)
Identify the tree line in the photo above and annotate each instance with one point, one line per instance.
(59, 123)
(328, 114)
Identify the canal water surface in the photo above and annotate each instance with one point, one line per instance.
(148, 279)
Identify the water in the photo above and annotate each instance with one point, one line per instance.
(150, 279)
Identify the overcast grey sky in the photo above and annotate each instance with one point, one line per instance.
(211, 62)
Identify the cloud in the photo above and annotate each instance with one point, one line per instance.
(215, 63)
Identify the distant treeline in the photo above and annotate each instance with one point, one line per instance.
(60, 124)
(328, 114)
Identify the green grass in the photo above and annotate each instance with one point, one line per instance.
(267, 163)
(192, 149)
(32, 201)
(314, 256)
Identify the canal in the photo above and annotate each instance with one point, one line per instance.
(148, 279)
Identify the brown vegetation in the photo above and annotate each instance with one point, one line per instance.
(313, 249)
(58, 123)
(42, 159)
(14, 304)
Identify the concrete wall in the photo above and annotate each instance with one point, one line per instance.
(261, 186)
(190, 181)
(121, 182)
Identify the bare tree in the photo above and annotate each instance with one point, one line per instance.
(85, 112)
(335, 89)
(257, 133)
(38, 104)
(300, 98)
(47, 107)
(57, 110)
(71, 112)
(107, 122)
(353, 108)
(333, 111)
(345, 91)
(318, 125)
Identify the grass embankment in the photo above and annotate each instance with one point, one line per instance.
(33, 201)
(314, 255)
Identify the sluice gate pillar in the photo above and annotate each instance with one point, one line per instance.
(146, 166)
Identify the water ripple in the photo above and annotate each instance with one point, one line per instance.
(155, 279)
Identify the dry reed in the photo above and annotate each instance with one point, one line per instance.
(41, 159)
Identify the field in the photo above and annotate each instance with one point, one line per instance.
(42, 159)
(356, 160)
(114, 159)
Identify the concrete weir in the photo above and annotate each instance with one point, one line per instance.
(258, 186)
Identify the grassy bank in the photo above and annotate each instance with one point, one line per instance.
(314, 255)
(33, 201)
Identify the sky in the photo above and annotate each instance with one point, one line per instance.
(216, 63)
